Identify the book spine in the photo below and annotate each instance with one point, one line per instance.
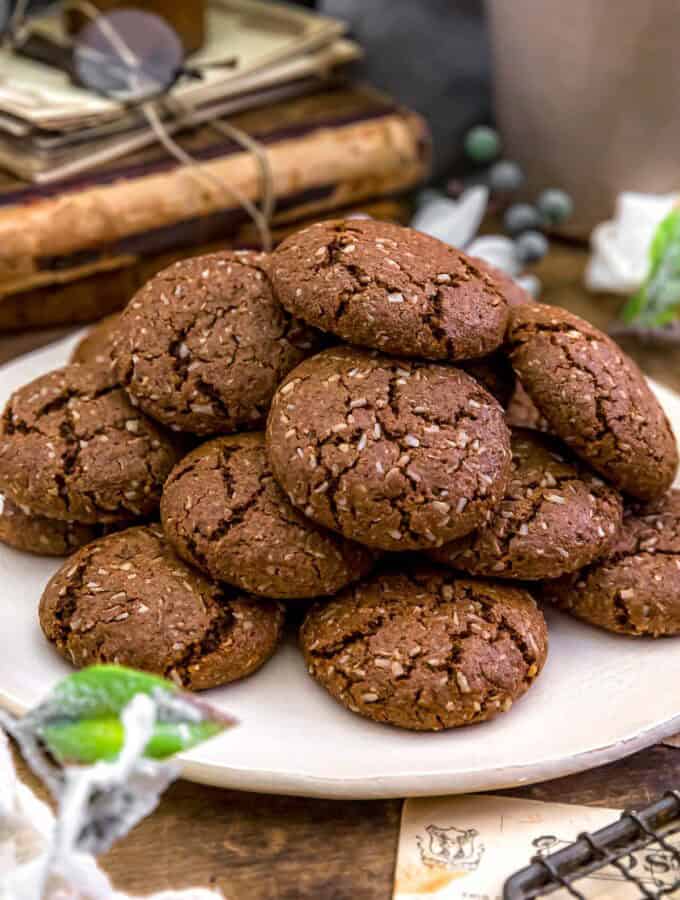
(355, 161)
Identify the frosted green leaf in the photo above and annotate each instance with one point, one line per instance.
(658, 301)
(94, 740)
(80, 720)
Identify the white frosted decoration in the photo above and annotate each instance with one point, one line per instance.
(41, 857)
(8, 781)
(455, 222)
(619, 259)
(26, 825)
(498, 250)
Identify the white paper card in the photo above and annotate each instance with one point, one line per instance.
(464, 848)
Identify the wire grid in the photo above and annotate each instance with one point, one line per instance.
(638, 850)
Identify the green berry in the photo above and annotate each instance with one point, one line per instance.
(555, 205)
(482, 144)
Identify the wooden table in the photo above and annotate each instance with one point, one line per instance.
(258, 847)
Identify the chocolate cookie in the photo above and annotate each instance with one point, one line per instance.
(202, 346)
(635, 588)
(73, 447)
(595, 398)
(427, 650)
(556, 517)
(395, 454)
(128, 599)
(514, 293)
(521, 411)
(97, 344)
(224, 513)
(391, 288)
(20, 529)
(494, 373)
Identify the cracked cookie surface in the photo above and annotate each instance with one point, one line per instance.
(635, 588)
(20, 529)
(395, 454)
(73, 447)
(223, 512)
(426, 650)
(390, 288)
(513, 292)
(202, 346)
(128, 599)
(595, 399)
(97, 344)
(556, 517)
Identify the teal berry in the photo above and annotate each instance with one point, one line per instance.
(555, 205)
(482, 144)
(531, 246)
(521, 217)
(505, 176)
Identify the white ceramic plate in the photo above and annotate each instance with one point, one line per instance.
(599, 698)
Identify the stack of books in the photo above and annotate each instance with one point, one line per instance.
(88, 191)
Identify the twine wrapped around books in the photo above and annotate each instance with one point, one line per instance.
(261, 216)
(15, 21)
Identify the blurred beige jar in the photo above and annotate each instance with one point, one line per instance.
(587, 96)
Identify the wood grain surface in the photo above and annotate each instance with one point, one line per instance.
(258, 847)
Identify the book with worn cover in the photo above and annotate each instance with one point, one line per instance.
(244, 39)
(69, 301)
(44, 156)
(72, 250)
(325, 151)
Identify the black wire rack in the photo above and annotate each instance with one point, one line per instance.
(638, 849)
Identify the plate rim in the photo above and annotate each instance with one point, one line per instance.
(404, 784)
(432, 784)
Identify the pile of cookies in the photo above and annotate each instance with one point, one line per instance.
(366, 426)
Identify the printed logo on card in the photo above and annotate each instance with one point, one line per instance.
(450, 848)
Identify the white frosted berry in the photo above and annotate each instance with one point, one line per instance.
(531, 246)
(521, 217)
